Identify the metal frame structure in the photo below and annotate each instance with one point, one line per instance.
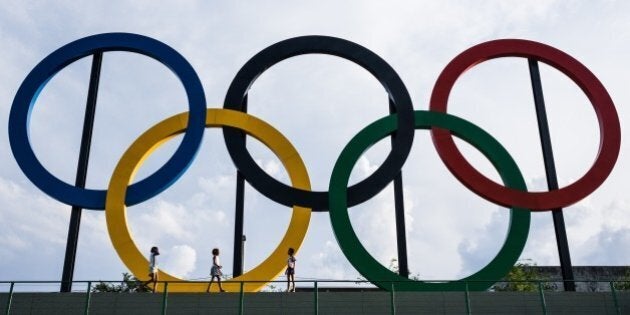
(82, 168)
(552, 178)
(235, 122)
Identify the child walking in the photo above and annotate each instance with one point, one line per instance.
(215, 271)
(153, 269)
(290, 272)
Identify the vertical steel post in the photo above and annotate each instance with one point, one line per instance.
(316, 297)
(552, 179)
(399, 206)
(542, 298)
(165, 298)
(467, 297)
(239, 213)
(392, 299)
(614, 294)
(240, 300)
(84, 155)
(9, 299)
(88, 295)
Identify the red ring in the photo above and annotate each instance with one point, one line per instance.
(610, 130)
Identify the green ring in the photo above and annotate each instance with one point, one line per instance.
(369, 267)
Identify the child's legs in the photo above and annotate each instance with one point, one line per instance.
(219, 282)
(154, 279)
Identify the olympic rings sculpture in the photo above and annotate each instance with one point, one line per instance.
(234, 122)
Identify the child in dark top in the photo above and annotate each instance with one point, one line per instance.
(290, 272)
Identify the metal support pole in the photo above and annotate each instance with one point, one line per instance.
(239, 213)
(88, 296)
(401, 238)
(542, 298)
(84, 155)
(614, 294)
(165, 298)
(467, 297)
(392, 299)
(237, 263)
(316, 297)
(9, 299)
(552, 179)
(240, 300)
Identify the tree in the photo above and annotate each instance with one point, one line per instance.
(128, 284)
(522, 277)
(623, 283)
(393, 265)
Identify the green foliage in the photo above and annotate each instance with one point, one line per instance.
(273, 287)
(128, 284)
(522, 277)
(393, 266)
(623, 283)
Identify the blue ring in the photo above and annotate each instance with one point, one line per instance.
(36, 80)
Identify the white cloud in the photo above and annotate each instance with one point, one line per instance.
(365, 167)
(32, 218)
(606, 248)
(271, 167)
(33, 233)
(215, 186)
(329, 263)
(166, 219)
(180, 260)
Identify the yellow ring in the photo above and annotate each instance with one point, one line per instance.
(116, 214)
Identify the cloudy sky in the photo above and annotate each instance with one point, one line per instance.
(318, 102)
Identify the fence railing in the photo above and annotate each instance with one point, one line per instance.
(541, 288)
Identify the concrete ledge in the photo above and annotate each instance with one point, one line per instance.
(369, 302)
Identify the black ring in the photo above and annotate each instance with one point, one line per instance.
(383, 72)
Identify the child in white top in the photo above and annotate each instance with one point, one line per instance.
(215, 271)
(153, 269)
